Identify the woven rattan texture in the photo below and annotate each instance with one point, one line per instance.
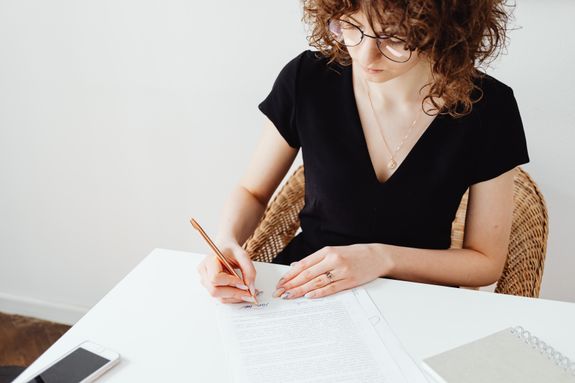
(279, 222)
(523, 270)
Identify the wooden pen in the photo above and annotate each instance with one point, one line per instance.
(221, 257)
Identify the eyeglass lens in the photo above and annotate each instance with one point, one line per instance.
(351, 35)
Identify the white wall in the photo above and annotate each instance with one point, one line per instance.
(539, 67)
(121, 119)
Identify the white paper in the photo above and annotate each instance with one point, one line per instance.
(329, 339)
(411, 369)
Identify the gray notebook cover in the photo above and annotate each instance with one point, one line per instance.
(502, 357)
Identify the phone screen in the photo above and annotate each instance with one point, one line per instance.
(75, 367)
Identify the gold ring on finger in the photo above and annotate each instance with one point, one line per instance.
(329, 276)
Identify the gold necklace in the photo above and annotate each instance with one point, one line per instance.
(392, 163)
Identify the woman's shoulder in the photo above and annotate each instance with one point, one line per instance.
(496, 113)
(314, 59)
(491, 91)
(317, 61)
(497, 142)
(311, 64)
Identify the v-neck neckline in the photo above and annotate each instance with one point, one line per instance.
(357, 125)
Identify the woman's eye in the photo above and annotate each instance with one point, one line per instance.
(347, 25)
(392, 40)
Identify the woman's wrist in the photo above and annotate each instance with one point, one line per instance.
(385, 260)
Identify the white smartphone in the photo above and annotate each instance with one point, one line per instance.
(83, 364)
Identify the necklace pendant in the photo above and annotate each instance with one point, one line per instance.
(392, 164)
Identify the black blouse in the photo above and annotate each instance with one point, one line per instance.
(312, 104)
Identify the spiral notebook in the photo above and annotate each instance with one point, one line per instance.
(513, 355)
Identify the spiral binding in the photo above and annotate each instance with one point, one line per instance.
(555, 356)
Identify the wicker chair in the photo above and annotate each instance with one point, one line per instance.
(525, 260)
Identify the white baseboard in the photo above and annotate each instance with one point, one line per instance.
(55, 312)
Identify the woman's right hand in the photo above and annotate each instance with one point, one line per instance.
(224, 286)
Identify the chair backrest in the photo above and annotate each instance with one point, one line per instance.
(280, 220)
(523, 270)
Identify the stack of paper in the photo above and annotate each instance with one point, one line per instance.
(340, 338)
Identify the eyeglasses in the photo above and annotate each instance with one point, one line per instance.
(351, 35)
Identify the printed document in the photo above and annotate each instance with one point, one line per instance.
(329, 339)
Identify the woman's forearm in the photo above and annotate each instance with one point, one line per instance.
(455, 267)
(240, 216)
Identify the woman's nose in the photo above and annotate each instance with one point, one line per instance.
(368, 50)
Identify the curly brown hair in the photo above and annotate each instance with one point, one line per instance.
(457, 36)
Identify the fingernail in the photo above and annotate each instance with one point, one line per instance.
(252, 289)
(280, 282)
(285, 295)
(311, 294)
(248, 299)
(293, 264)
(278, 292)
(241, 286)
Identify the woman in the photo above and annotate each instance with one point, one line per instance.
(395, 122)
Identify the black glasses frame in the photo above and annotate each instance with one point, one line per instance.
(379, 40)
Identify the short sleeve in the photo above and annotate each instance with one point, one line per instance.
(499, 145)
(280, 104)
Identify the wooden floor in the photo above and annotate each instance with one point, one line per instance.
(23, 339)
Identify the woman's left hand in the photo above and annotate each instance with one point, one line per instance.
(332, 269)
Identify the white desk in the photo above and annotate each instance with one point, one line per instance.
(159, 318)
